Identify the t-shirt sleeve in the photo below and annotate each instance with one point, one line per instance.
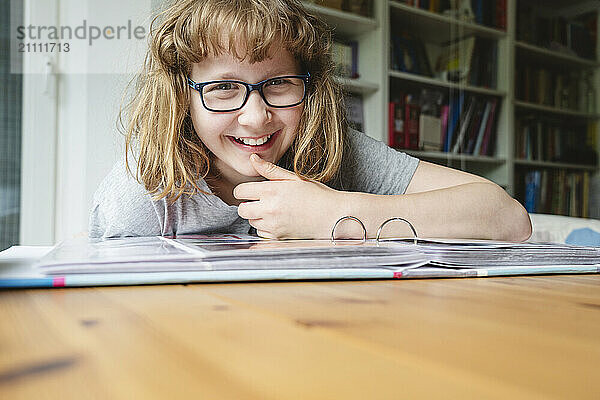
(123, 207)
(371, 166)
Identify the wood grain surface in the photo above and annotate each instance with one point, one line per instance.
(513, 337)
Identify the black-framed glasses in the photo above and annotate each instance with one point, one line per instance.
(228, 95)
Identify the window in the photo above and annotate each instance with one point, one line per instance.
(10, 132)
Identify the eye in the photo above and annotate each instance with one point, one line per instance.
(222, 86)
(278, 82)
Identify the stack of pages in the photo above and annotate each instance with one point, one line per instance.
(459, 258)
(153, 260)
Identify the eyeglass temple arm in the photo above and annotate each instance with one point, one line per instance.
(191, 83)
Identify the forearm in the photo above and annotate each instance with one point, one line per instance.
(473, 210)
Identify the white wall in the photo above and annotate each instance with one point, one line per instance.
(88, 144)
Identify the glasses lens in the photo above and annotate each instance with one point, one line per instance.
(283, 92)
(224, 95)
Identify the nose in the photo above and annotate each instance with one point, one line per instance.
(255, 113)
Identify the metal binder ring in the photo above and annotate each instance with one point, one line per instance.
(412, 228)
(352, 218)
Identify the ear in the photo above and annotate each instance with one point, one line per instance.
(271, 171)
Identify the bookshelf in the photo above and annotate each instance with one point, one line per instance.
(551, 57)
(381, 80)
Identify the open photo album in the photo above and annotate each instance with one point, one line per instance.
(223, 258)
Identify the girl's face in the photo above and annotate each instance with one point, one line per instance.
(224, 133)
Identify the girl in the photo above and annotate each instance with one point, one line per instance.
(237, 126)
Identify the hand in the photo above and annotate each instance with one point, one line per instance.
(286, 206)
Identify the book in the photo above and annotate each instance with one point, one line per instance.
(454, 60)
(554, 191)
(403, 124)
(404, 54)
(430, 129)
(573, 35)
(464, 125)
(489, 136)
(481, 130)
(500, 20)
(444, 115)
(585, 191)
(232, 258)
(532, 188)
(542, 138)
(354, 51)
(455, 109)
(408, 54)
(411, 126)
(474, 127)
(477, 6)
(396, 124)
(345, 58)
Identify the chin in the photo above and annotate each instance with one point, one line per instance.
(249, 172)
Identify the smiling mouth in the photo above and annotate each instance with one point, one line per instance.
(254, 142)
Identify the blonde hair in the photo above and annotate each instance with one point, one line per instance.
(171, 155)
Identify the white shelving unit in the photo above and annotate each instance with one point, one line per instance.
(441, 84)
(376, 78)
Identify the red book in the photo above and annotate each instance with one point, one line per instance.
(391, 122)
(411, 126)
(501, 14)
(396, 124)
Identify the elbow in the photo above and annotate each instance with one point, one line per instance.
(522, 228)
(513, 221)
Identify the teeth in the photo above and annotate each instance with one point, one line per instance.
(254, 142)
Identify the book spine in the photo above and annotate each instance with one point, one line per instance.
(464, 124)
(354, 50)
(444, 114)
(455, 111)
(482, 126)
(486, 148)
(477, 6)
(474, 128)
(501, 14)
(585, 206)
(530, 192)
(411, 126)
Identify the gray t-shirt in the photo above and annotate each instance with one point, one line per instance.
(123, 207)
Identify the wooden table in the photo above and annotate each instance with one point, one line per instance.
(521, 337)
